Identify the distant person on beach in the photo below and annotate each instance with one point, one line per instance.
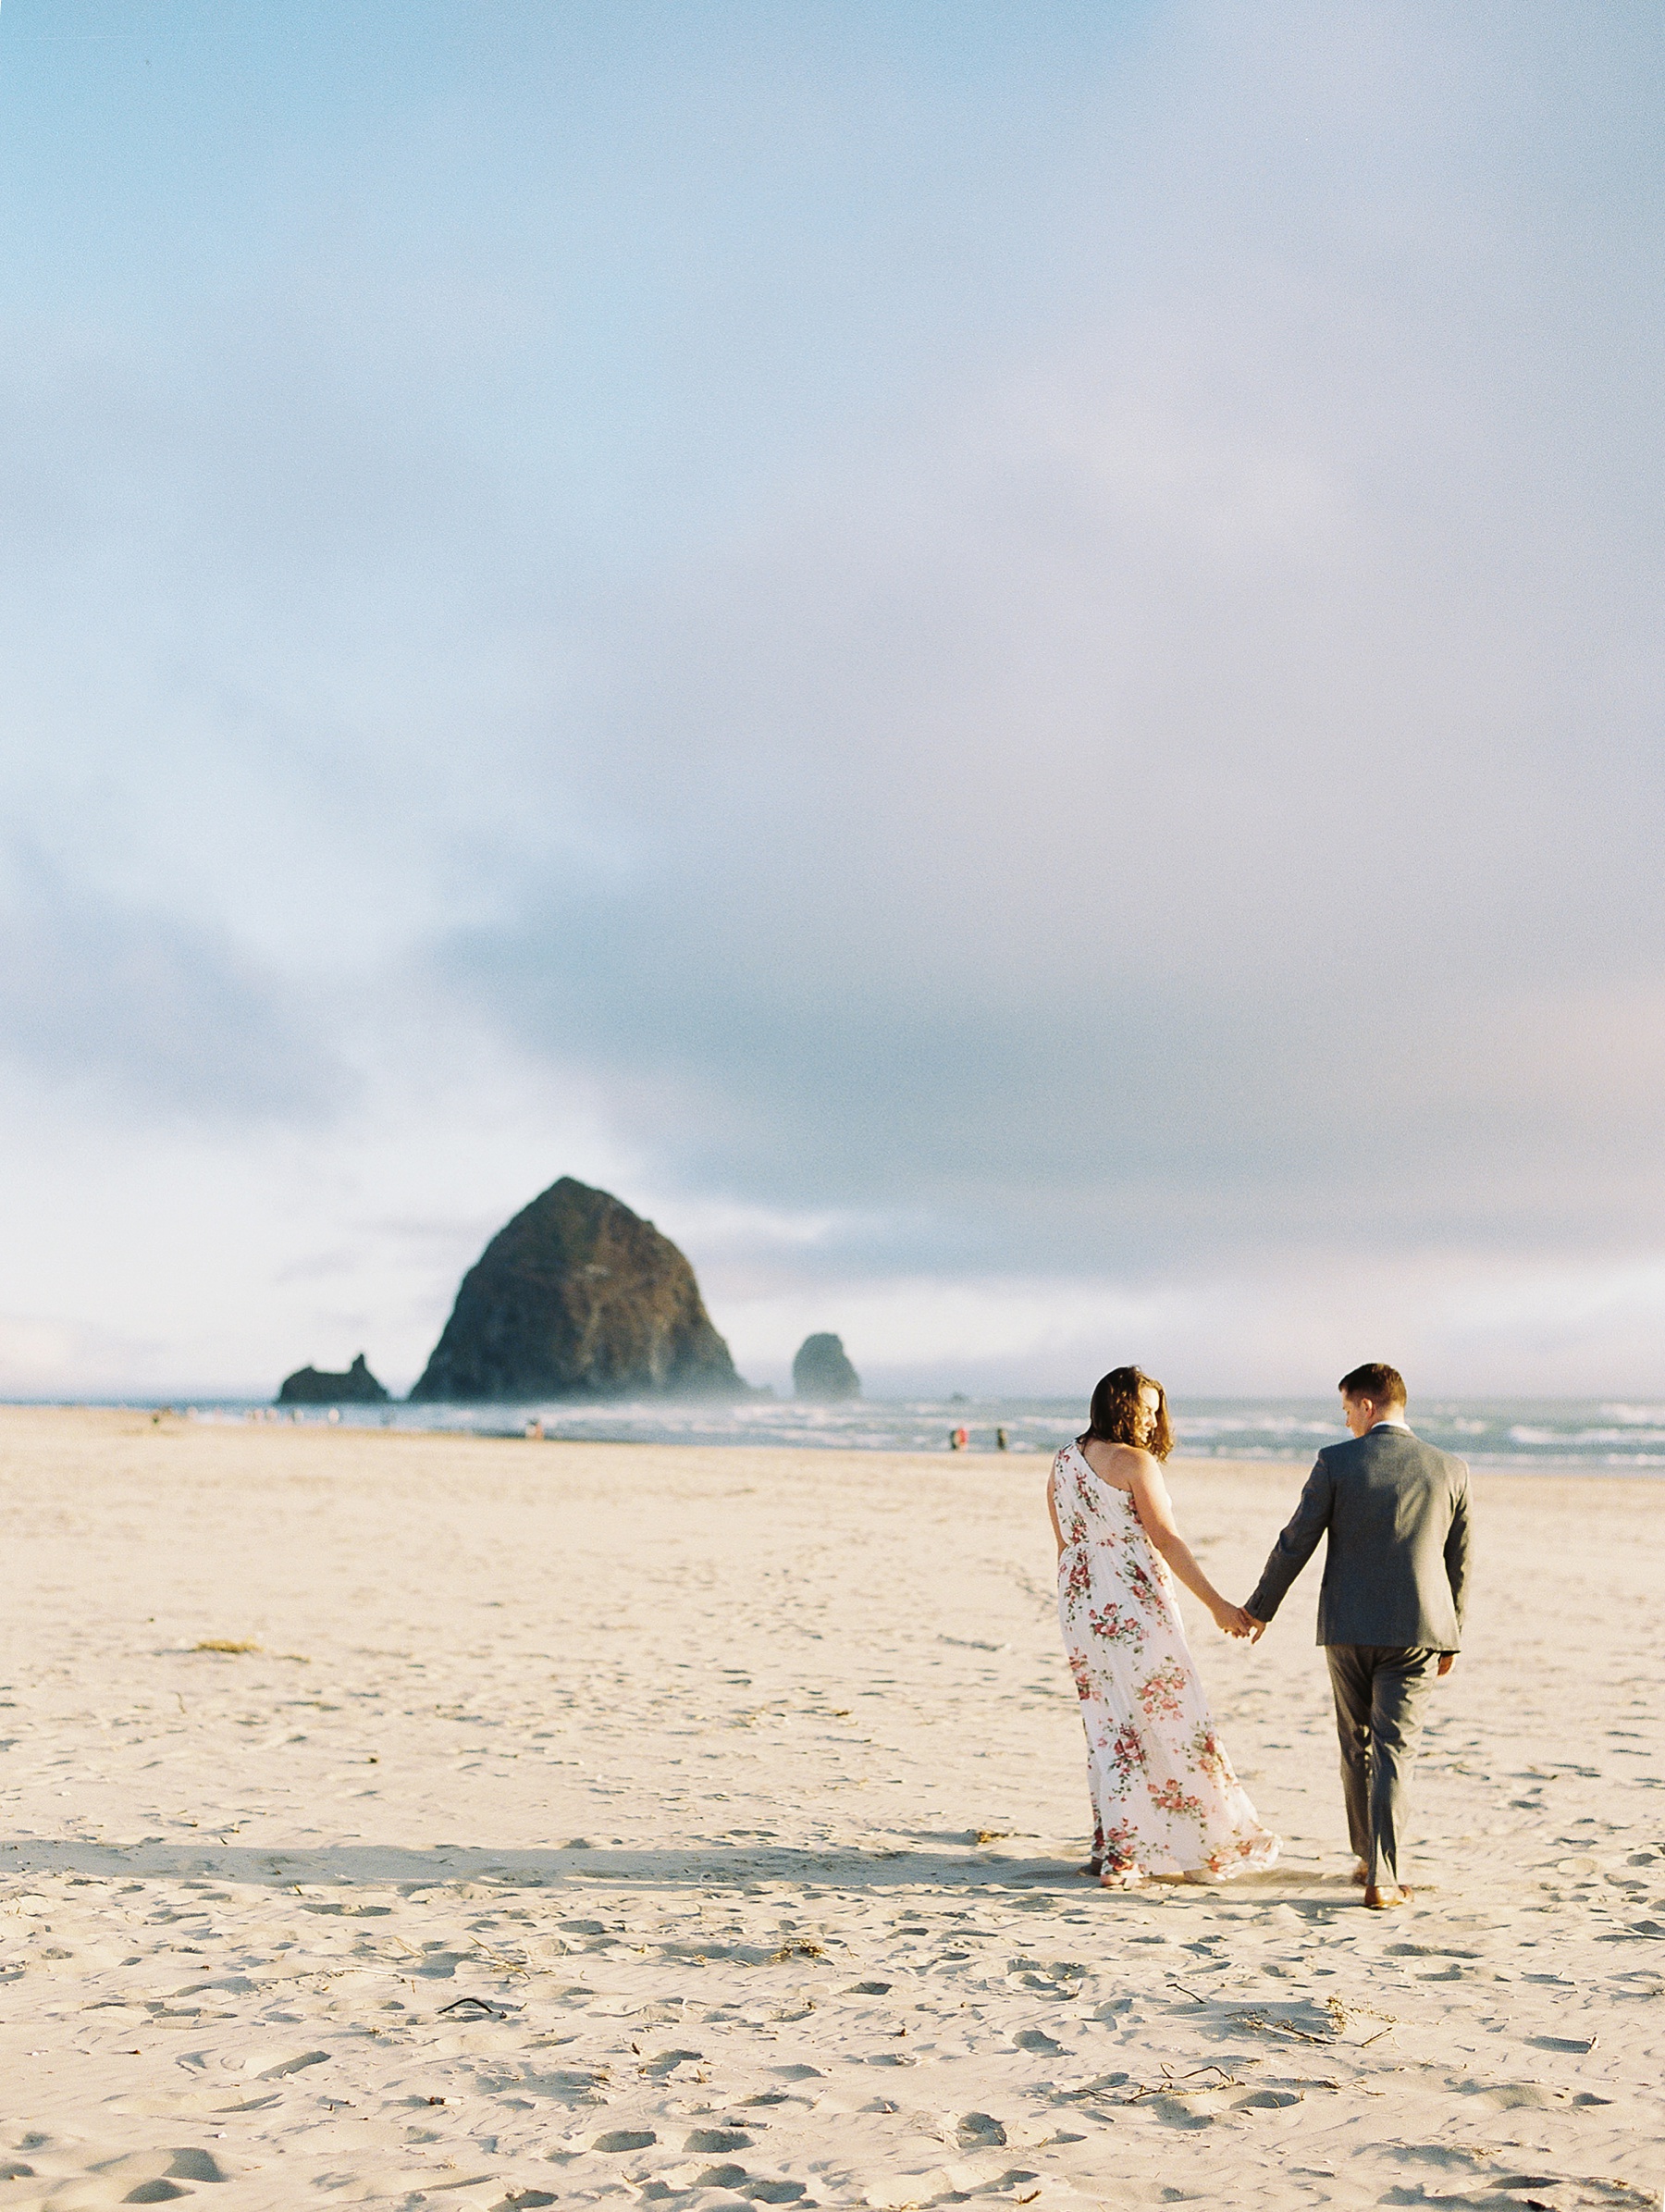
(1165, 1798)
(958, 1438)
(1390, 1605)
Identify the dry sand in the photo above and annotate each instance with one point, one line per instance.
(746, 1788)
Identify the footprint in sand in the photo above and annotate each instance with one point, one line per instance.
(981, 2130)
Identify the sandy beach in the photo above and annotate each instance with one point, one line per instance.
(701, 1826)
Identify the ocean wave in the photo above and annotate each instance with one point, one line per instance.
(1538, 1436)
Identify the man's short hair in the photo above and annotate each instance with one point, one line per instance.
(1381, 1384)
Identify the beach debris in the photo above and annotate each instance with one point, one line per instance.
(501, 1959)
(223, 1643)
(1342, 2015)
(1123, 2089)
(477, 2008)
(988, 1836)
(1275, 2027)
(802, 1946)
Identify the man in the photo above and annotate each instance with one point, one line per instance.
(1390, 1606)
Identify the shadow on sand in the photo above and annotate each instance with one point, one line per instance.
(578, 1868)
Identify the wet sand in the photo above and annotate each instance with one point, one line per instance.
(698, 1827)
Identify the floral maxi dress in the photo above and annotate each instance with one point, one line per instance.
(1165, 1798)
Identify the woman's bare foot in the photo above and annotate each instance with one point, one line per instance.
(1122, 1877)
(1384, 1899)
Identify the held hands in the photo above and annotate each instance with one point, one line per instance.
(1232, 1620)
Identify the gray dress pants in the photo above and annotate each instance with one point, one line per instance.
(1379, 1697)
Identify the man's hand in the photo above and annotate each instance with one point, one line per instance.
(1448, 1660)
(1237, 1620)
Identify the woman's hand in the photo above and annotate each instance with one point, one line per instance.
(1231, 1620)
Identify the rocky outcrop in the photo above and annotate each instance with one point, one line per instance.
(821, 1371)
(311, 1386)
(579, 1298)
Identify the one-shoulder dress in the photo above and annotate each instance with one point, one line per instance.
(1165, 1798)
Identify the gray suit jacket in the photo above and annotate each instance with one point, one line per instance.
(1396, 1570)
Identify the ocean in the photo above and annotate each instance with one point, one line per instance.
(1556, 1435)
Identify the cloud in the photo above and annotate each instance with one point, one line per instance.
(161, 1017)
(1080, 866)
(1004, 676)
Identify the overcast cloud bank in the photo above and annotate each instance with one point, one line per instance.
(1005, 666)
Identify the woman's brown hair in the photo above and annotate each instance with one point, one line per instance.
(1114, 1414)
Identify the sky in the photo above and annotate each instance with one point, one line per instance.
(1004, 661)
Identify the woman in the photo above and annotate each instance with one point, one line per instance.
(1165, 1799)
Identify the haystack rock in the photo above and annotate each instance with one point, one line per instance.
(821, 1371)
(579, 1298)
(313, 1386)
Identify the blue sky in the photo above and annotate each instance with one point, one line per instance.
(1004, 661)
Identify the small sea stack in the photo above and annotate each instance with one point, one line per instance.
(822, 1372)
(313, 1386)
